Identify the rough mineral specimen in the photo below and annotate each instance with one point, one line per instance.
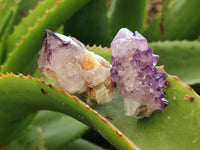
(138, 81)
(67, 62)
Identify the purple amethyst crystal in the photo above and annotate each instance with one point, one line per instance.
(138, 81)
(67, 62)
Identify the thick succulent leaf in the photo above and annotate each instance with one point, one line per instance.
(30, 95)
(41, 76)
(165, 4)
(24, 43)
(81, 144)
(46, 126)
(174, 128)
(25, 8)
(3, 46)
(180, 119)
(180, 58)
(8, 10)
(90, 29)
(181, 22)
(5, 18)
(59, 130)
(31, 139)
(37, 17)
(127, 13)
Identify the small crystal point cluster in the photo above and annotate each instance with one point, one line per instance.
(67, 62)
(138, 81)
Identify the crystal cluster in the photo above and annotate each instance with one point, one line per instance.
(138, 81)
(67, 62)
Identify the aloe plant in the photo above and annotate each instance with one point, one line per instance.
(35, 114)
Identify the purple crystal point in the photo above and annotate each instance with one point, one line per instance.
(139, 82)
(73, 68)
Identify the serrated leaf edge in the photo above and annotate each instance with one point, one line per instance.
(77, 100)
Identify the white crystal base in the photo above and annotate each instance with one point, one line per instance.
(136, 109)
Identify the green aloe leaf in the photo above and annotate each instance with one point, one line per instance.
(59, 130)
(25, 8)
(8, 10)
(165, 4)
(178, 120)
(31, 139)
(24, 43)
(46, 126)
(127, 13)
(180, 58)
(81, 144)
(174, 128)
(90, 29)
(177, 24)
(3, 45)
(30, 95)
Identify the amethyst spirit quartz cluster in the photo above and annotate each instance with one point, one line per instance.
(73, 68)
(138, 81)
